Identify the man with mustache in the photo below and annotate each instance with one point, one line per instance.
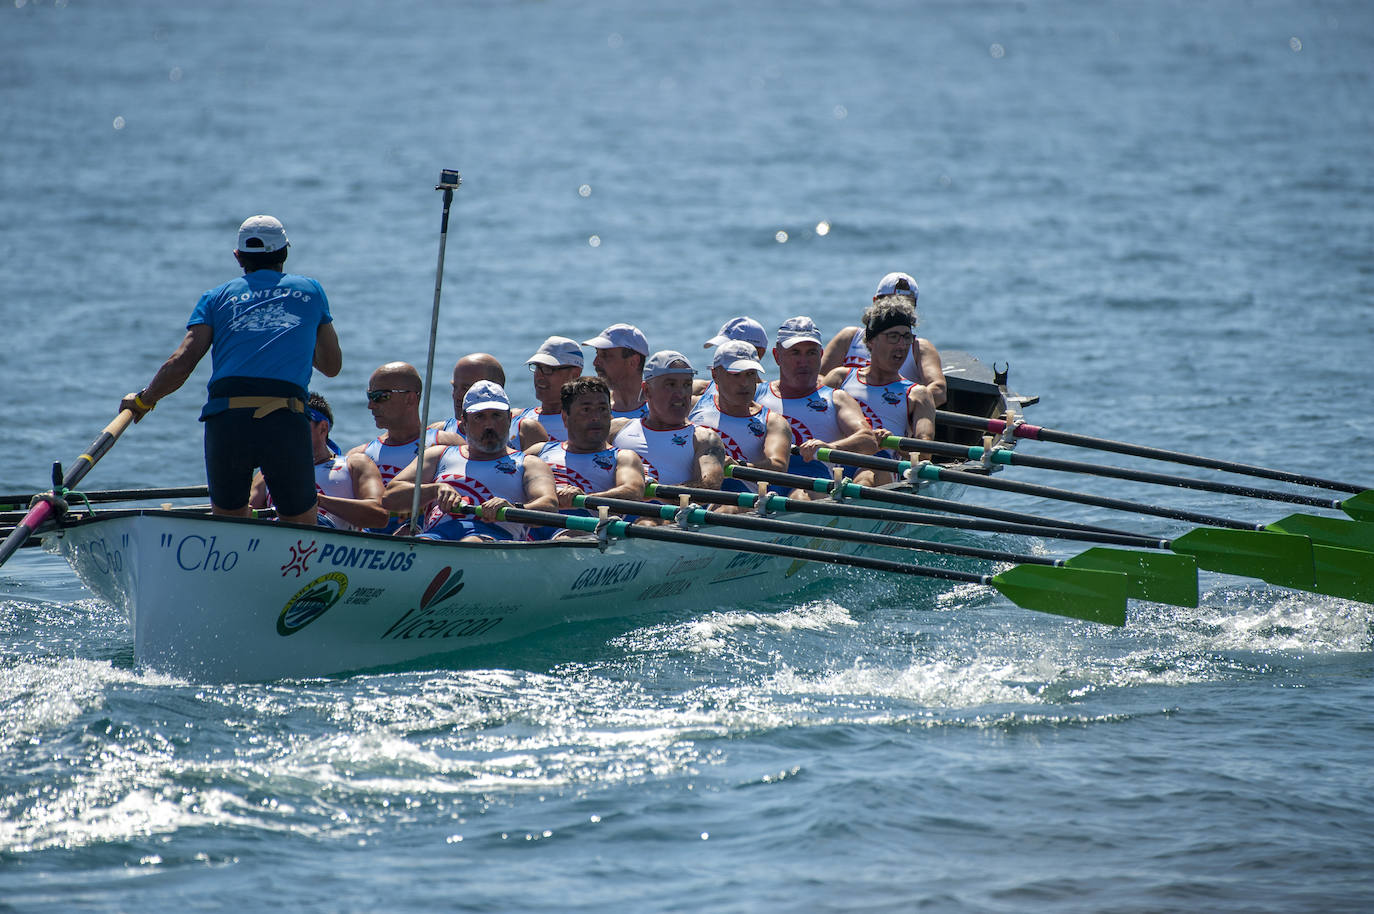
(675, 452)
(483, 472)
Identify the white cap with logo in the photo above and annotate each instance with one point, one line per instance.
(897, 284)
(485, 395)
(627, 336)
(740, 328)
(261, 235)
(667, 361)
(796, 330)
(736, 356)
(557, 352)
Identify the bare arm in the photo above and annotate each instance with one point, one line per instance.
(833, 356)
(399, 493)
(364, 509)
(933, 372)
(708, 469)
(629, 477)
(532, 432)
(920, 413)
(777, 443)
(328, 357)
(835, 377)
(173, 372)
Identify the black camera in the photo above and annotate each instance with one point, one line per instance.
(448, 180)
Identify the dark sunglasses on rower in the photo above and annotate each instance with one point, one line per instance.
(381, 396)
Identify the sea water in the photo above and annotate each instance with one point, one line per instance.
(1161, 215)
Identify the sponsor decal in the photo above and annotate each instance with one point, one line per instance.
(609, 575)
(604, 459)
(506, 465)
(431, 620)
(300, 558)
(366, 557)
(665, 589)
(687, 566)
(311, 602)
(680, 440)
(817, 403)
(756, 427)
(362, 596)
(892, 397)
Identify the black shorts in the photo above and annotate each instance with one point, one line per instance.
(279, 444)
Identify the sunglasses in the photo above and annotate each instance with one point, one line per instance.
(381, 396)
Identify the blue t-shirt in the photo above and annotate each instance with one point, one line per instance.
(264, 326)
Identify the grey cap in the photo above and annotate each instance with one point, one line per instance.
(667, 361)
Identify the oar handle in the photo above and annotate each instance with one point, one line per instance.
(1038, 433)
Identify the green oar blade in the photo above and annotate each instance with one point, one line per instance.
(1360, 507)
(1080, 593)
(1331, 531)
(1160, 577)
(1278, 558)
(1347, 573)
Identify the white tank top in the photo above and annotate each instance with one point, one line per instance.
(393, 458)
(858, 356)
(883, 407)
(742, 436)
(480, 480)
(811, 416)
(333, 478)
(552, 422)
(668, 455)
(589, 472)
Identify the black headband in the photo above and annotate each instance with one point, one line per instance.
(886, 321)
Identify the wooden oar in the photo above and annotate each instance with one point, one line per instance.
(1080, 593)
(1009, 457)
(80, 467)
(21, 501)
(1299, 563)
(1038, 433)
(1162, 578)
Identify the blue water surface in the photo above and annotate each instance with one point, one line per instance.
(1161, 214)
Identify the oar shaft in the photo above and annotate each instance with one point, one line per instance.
(9, 502)
(1015, 458)
(75, 473)
(933, 473)
(700, 516)
(870, 493)
(898, 515)
(1038, 433)
(735, 544)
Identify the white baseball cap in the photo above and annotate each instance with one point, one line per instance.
(667, 361)
(740, 328)
(485, 395)
(557, 352)
(796, 330)
(736, 356)
(897, 284)
(261, 235)
(624, 335)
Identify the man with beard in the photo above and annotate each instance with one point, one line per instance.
(675, 452)
(482, 472)
(583, 463)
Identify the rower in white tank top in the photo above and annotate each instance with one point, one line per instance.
(593, 472)
(393, 458)
(668, 455)
(884, 406)
(552, 423)
(479, 481)
(811, 416)
(743, 436)
(332, 477)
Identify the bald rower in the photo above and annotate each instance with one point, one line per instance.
(467, 371)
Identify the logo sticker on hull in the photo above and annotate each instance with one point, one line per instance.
(311, 602)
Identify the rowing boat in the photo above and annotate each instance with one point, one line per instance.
(233, 599)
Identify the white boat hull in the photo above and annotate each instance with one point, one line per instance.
(219, 599)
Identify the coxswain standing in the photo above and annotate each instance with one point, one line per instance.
(348, 487)
(265, 331)
(847, 349)
(482, 472)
